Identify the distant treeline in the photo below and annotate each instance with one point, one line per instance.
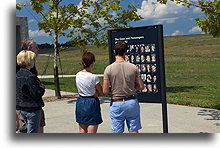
(67, 44)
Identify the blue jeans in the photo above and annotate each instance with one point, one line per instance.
(122, 111)
(32, 120)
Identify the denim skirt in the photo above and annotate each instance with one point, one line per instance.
(88, 111)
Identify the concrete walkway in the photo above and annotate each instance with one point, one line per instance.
(60, 117)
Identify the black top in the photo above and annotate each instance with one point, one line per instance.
(28, 91)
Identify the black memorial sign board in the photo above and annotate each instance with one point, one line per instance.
(146, 51)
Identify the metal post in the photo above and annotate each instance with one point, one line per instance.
(163, 82)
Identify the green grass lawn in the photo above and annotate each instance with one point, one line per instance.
(191, 65)
(71, 60)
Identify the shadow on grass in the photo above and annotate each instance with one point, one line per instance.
(177, 89)
(217, 106)
(47, 83)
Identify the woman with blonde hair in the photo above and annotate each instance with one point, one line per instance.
(29, 91)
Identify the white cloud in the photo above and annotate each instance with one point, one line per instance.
(151, 9)
(22, 1)
(36, 33)
(195, 29)
(177, 32)
(89, 10)
(196, 10)
(32, 21)
(165, 20)
(101, 21)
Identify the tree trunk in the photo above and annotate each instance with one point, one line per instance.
(56, 74)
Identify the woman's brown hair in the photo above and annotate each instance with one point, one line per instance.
(87, 59)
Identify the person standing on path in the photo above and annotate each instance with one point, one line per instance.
(88, 111)
(31, 45)
(29, 92)
(122, 79)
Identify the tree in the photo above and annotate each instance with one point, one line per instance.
(211, 9)
(45, 45)
(84, 23)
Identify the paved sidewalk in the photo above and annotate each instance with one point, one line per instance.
(60, 117)
(49, 92)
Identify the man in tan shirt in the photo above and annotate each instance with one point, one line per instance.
(123, 79)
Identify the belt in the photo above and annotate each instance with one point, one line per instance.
(87, 96)
(123, 99)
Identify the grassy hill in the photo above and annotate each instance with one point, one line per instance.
(71, 60)
(191, 65)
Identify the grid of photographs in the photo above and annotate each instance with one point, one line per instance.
(144, 57)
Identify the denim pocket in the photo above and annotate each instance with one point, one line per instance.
(115, 109)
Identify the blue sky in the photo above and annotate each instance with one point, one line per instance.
(176, 19)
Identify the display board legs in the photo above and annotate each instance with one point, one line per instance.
(164, 114)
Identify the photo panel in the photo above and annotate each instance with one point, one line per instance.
(153, 48)
(154, 68)
(137, 49)
(147, 48)
(142, 49)
(144, 52)
(155, 89)
(148, 58)
(137, 58)
(132, 58)
(127, 58)
(153, 58)
(143, 56)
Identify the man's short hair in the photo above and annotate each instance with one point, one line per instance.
(120, 48)
(25, 57)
